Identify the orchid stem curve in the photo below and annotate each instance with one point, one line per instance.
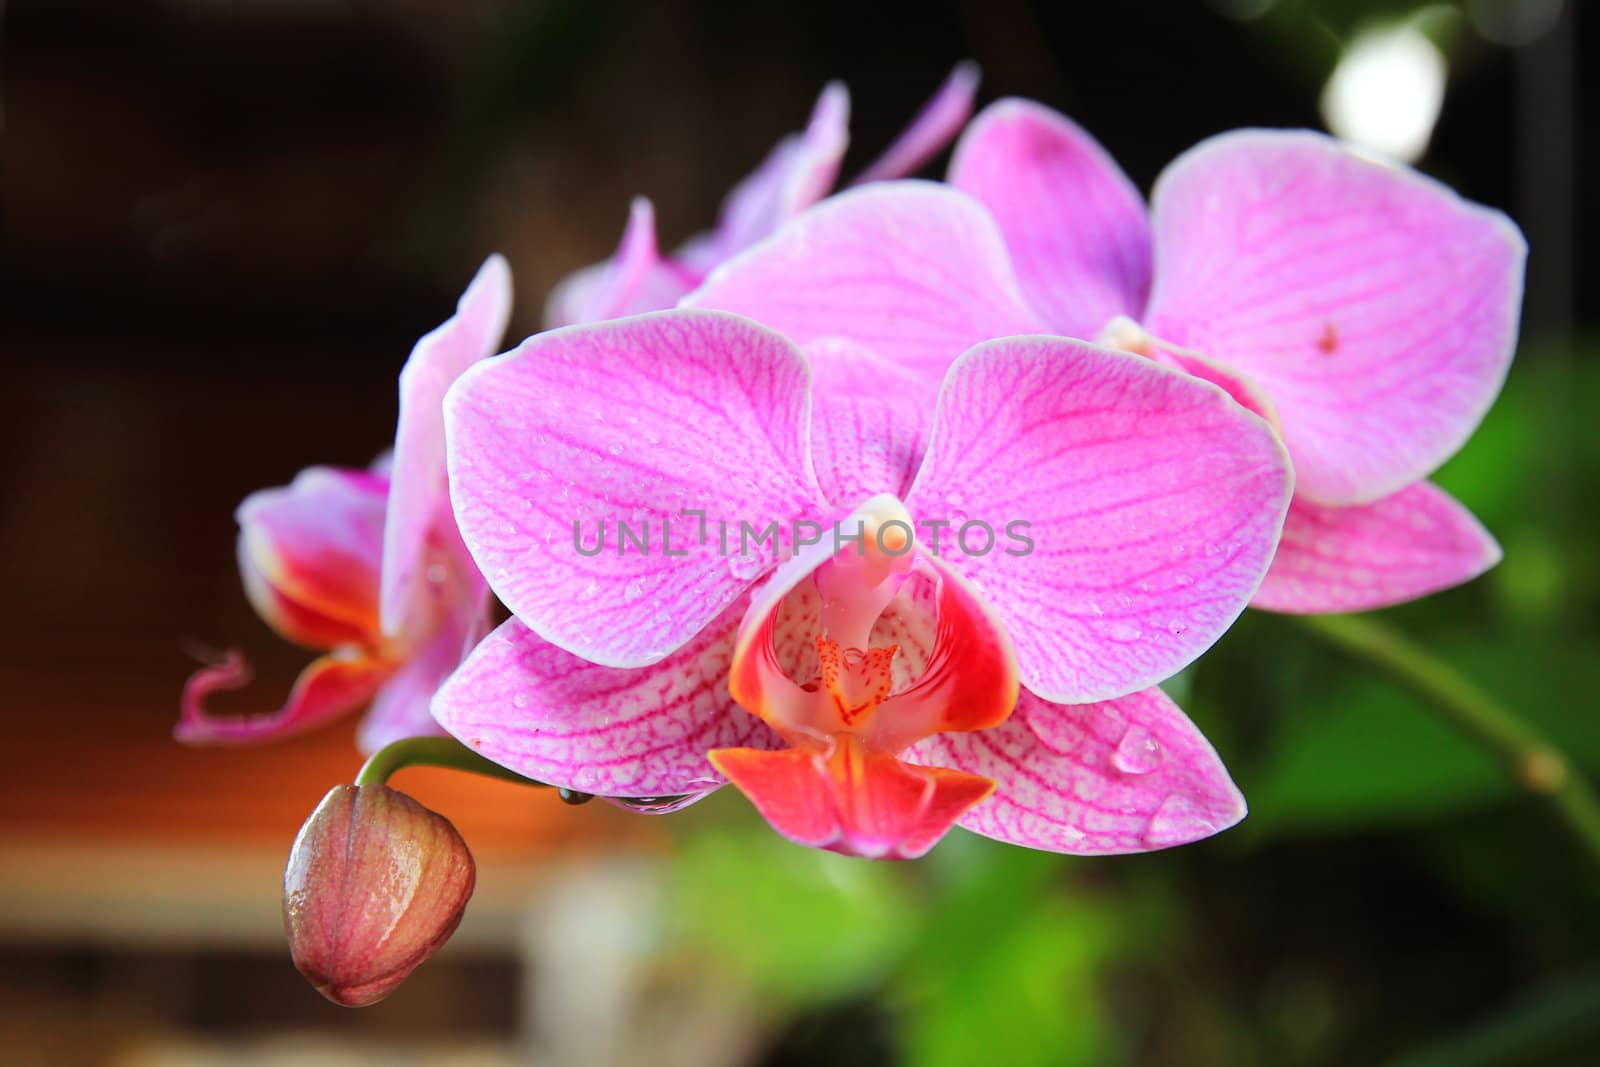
(433, 752)
(1532, 760)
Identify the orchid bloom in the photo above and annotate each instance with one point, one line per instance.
(799, 171)
(1365, 310)
(813, 611)
(367, 566)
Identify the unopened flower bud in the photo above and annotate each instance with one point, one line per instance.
(375, 884)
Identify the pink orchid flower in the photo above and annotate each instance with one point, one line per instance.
(864, 693)
(367, 566)
(1364, 309)
(799, 171)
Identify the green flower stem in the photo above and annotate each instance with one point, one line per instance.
(1532, 760)
(432, 752)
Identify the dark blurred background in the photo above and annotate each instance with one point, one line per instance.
(224, 225)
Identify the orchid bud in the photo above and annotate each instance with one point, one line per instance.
(375, 884)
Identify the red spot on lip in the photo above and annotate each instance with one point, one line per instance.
(1328, 343)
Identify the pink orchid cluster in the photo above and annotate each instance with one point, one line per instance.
(894, 507)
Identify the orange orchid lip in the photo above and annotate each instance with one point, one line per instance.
(817, 659)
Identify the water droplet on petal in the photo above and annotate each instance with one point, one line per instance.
(1138, 752)
(520, 700)
(1178, 821)
(572, 796)
(615, 450)
(1176, 627)
(659, 805)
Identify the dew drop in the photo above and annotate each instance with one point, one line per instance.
(520, 700)
(658, 805)
(615, 450)
(747, 565)
(1178, 821)
(1138, 752)
(1176, 627)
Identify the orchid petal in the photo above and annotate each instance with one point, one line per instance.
(1126, 775)
(797, 173)
(638, 421)
(634, 280)
(402, 707)
(327, 689)
(294, 621)
(913, 271)
(418, 523)
(1404, 546)
(317, 544)
(1074, 223)
(527, 705)
(1152, 503)
(934, 127)
(869, 422)
(1376, 307)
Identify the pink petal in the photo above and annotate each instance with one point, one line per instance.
(632, 421)
(1074, 223)
(327, 689)
(317, 545)
(1377, 308)
(797, 173)
(402, 707)
(1154, 502)
(546, 714)
(634, 280)
(1404, 546)
(418, 526)
(935, 126)
(913, 271)
(869, 422)
(1126, 775)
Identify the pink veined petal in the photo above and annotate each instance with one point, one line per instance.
(1376, 307)
(318, 544)
(1404, 546)
(527, 705)
(634, 280)
(1126, 775)
(418, 522)
(797, 173)
(869, 422)
(327, 689)
(914, 271)
(1074, 223)
(934, 127)
(675, 421)
(1151, 500)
